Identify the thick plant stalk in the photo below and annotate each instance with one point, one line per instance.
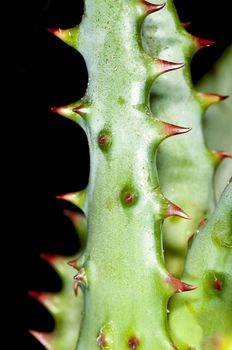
(120, 269)
(186, 166)
(124, 250)
(203, 320)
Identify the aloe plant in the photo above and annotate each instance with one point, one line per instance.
(121, 271)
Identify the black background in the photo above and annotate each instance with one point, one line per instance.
(50, 154)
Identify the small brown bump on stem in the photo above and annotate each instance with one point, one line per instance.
(133, 342)
(102, 139)
(102, 340)
(129, 197)
(217, 284)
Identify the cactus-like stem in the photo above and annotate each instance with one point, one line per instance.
(208, 309)
(186, 166)
(123, 203)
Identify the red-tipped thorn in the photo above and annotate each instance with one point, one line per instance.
(221, 154)
(186, 25)
(174, 210)
(171, 130)
(167, 66)
(209, 99)
(179, 286)
(150, 8)
(44, 338)
(55, 31)
(39, 296)
(66, 197)
(200, 42)
(73, 263)
(51, 259)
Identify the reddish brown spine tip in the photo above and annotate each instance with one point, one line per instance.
(55, 31)
(209, 99)
(217, 284)
(73, 263)
(174, 210)
(171, 130)
(186, 25)
(102, 340)
(133, 342)
(150, 8)
(179, 286)
(44, 338)
(221, 154)
(200, 42)
(51, 259)
(37, 295)
(167, 66)
(202, 223)
(66, 196)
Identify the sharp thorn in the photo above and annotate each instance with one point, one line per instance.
(151, 8)
(178, 285)
(200, 42)
(174, 210)
(167, 66)
(172, 130)
(44, 338)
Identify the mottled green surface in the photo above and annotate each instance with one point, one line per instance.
(218, 119)
(185, 166)
(199, 318)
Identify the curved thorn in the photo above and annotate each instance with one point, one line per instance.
(166, 66)
(49, 258)
(39, 296)
(200, 42)
(44, 338)
(178, 285)
(76, 198)
(221, 154)
(174, 210)
(208, 99)
(172, 130)
(151, 8)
